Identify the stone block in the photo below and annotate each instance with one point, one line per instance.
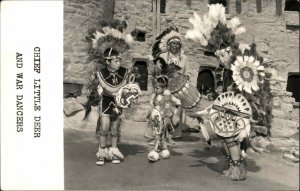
(258, 149)
(67, 60)
(77, 6)
(69, 10)
(76, 121)
(182, 16)
(261, 129)
(277, 78)
(146, 4)
(287, 108)
(82, 99)
(278, 113)
(260, 142)
(169, 18)
(68, 47)
(286, 93)
(288, 99)
(263, 47)
(290, 157)
(129, 7)
(284, 143)
(276, 102)
(71, 106)
(292, 18)
(277, 87)
(284, 128)
(274, 92)
(141, 28)
(274, 148)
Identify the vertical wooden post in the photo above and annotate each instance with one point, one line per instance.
(238, 5)
(278, 7)
(228, 6)
(189, 3)
(258, 6)
(154, 19)
(158, 17)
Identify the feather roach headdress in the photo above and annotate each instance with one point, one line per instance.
(212, 30)
(109, 35)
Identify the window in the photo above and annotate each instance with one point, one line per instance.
(189, 3)
(72, 90)
(292, 5)
(205, 82)
(222, 2)
(209, 53)
(162, 6)
(293, 85)
(140, 36)
(291, 14)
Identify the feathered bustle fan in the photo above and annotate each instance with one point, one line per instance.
(109, 35)
(212, 30)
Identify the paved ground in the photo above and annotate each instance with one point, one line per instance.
(193, 166)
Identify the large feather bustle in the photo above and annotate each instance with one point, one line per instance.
(204, 26)
(213, 29)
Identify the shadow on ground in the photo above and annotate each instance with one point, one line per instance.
(214, 158)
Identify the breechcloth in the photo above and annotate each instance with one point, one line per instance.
(104, 132)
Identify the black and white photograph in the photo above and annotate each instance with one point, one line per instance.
(181, 95)
(150, 95)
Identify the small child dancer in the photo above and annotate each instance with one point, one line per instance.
(163, 117)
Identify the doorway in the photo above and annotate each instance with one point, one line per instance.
(205, 82)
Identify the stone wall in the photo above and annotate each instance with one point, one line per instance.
(79, 15)
(140, 15)
(280, 48)
(277, 44)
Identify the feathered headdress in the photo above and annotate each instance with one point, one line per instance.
(213, 31)
(163, 40)
(109, 35)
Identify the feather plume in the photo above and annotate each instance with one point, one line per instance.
(240, 30)
(212, 29)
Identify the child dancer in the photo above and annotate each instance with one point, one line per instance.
(108, 45)
(163, 117)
